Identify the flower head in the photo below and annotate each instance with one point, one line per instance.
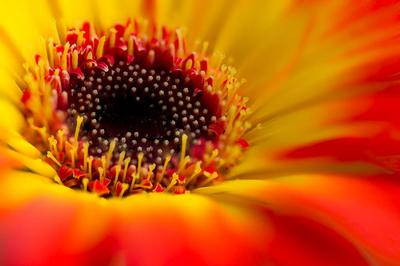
(109, 103)
(126, 111)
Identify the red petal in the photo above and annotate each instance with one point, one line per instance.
(99, 188)
(64, 172)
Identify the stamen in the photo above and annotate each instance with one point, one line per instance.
(90, 161)
(100, 47)
(117, 170)
(150, 172)
(113, 33)
(101, 172)
(183, 150)
(85, 155)
(173, 182)
(80, 37)
(73, 152)
(210, 177)
(75, 59)
(138, 170)
(126, 165)
(58, 180)
(64, 56)
(123, 190)
(167, 159)
(51, 156)
(121, 158)
(196, 173)
(79, 121)
(85, 182)
(109, 154)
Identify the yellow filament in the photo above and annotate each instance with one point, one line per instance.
(100, 47)
(85, 183)
(79, 41)
(64, 61)
(41, 130)
(214, 154)
(196, 172)
(75, 58)
(41, 69)
(117, 171)
(137, 174)
(151, 169)
(79, 121)
(180, 42)
(140, 158)
(130, 46)
(109, 153)
(124, 188)
(173, 182)
(60, 136)
(53, 145)
(132, 182)
(232, 112)
(73, 152)
(57, 179)
(103, 162)
(101, 177)
(210, 177)
(113, 33)
(74, 148)
(183, 164)
(57, 72)
(167, 159)
(171, 49)
(217, 59)
(57, 58)
(183, 150)
(85, 155)
(90, 161)
(126, 165)
(121, 157)
(51, 156)
(40, 74)
(128, 31)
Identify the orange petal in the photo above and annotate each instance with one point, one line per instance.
(360, 215)
(191, 230)
(47, 224)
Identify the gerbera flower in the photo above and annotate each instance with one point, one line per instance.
(164, 133)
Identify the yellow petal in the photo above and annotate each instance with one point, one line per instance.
(11, 119)
(24, 22)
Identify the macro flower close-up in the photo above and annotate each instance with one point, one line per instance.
(170, 132)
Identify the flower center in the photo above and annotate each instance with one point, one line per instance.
(141, 109)
(129, 110)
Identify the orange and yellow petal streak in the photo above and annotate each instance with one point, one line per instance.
(360, 215)
(340, 72)
(46, 224)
